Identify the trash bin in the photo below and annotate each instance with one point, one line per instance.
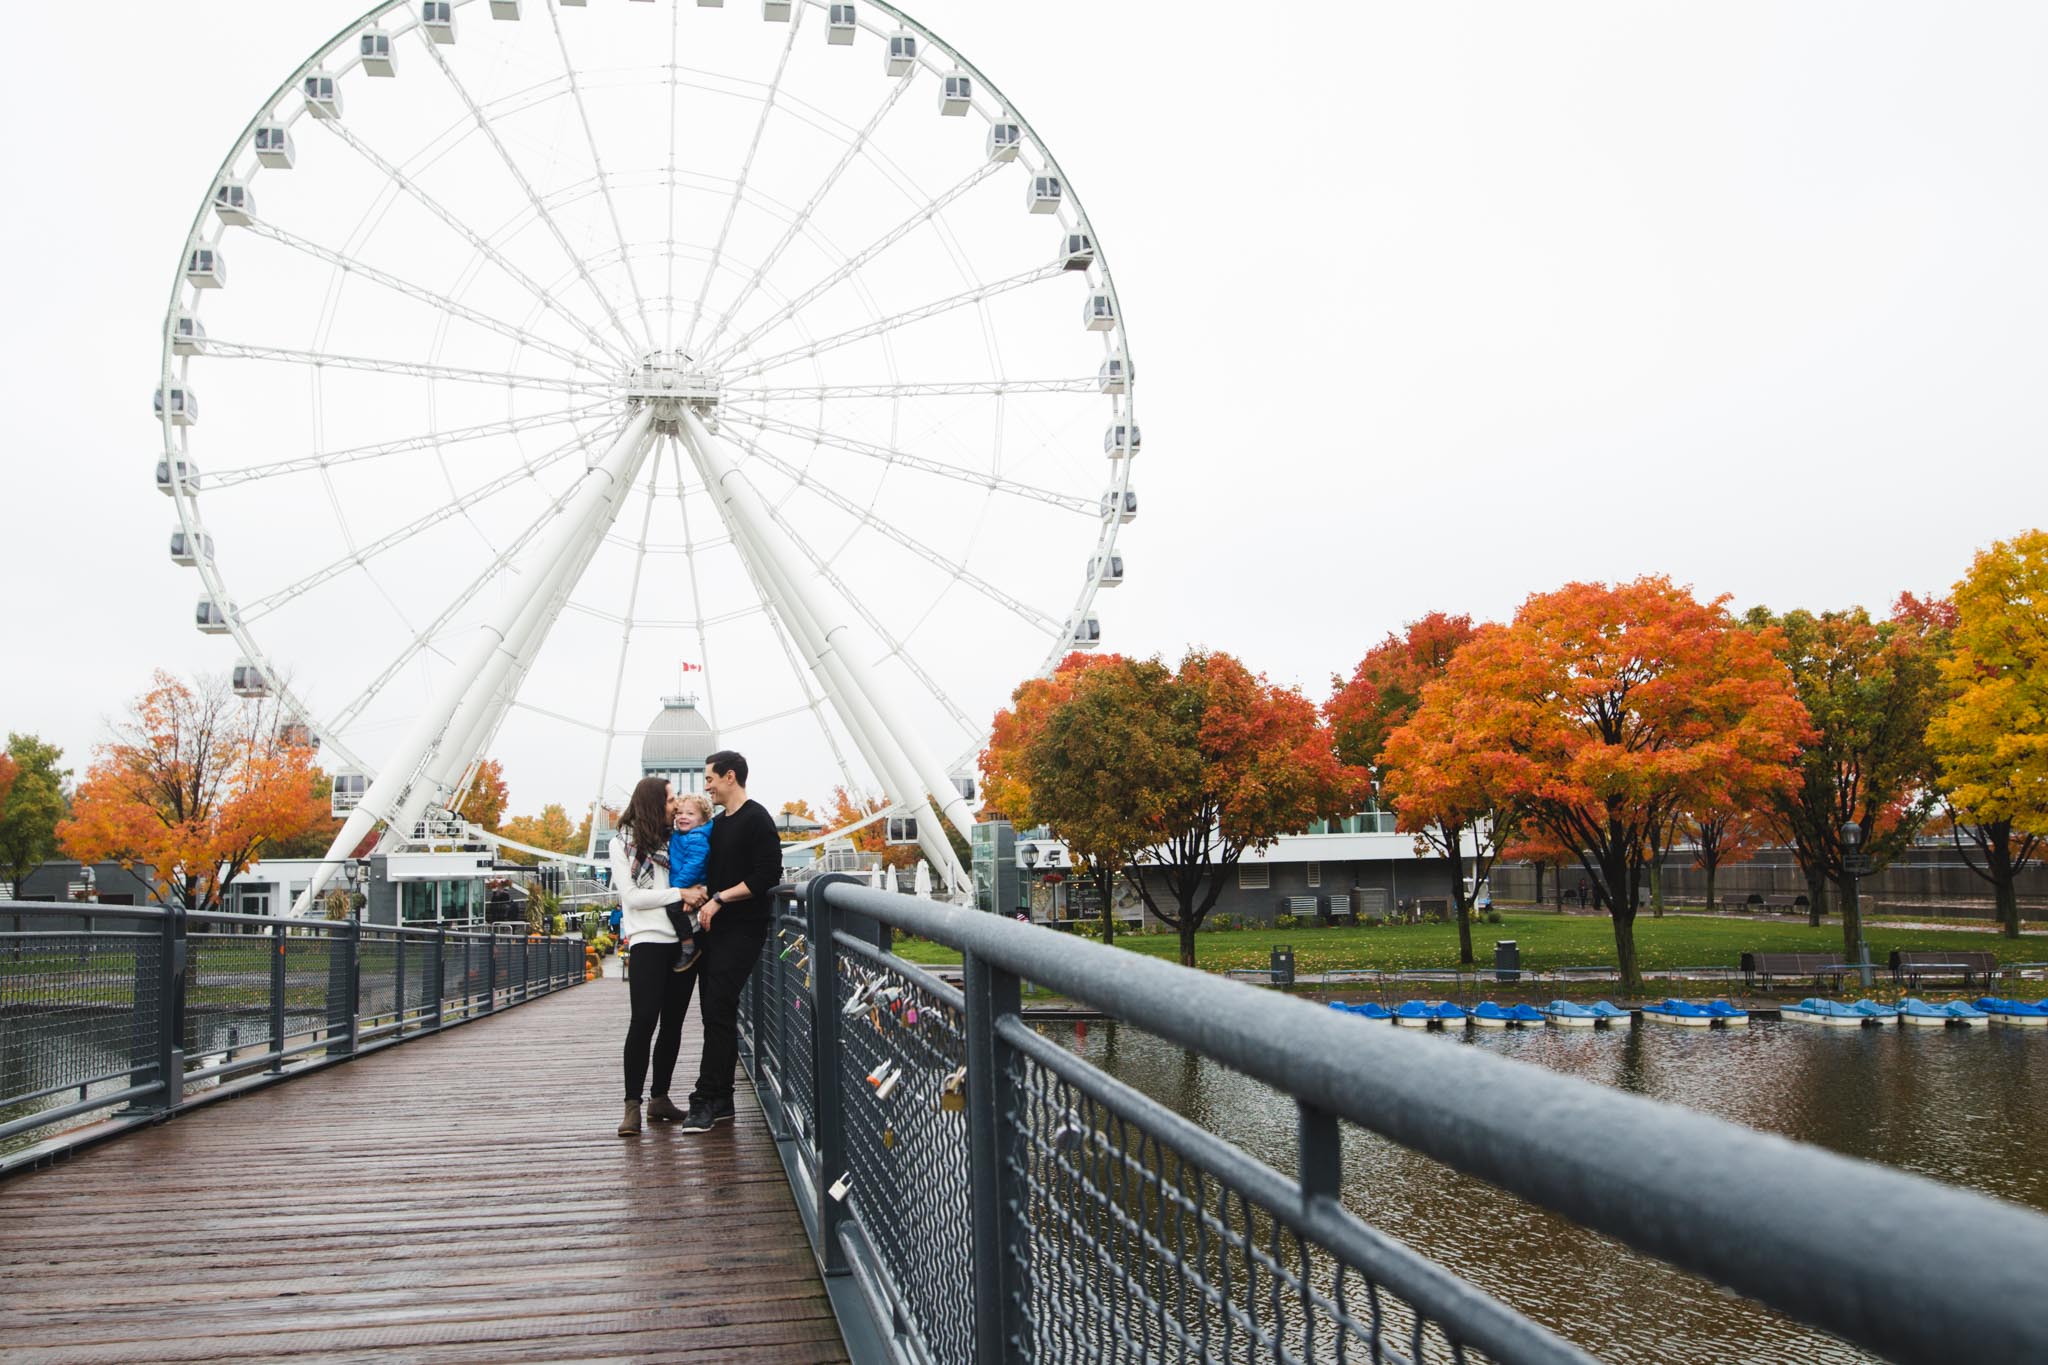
(1507, 960)
(1283, 965)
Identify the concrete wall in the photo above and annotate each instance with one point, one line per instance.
(1404, 879)
(52, 882)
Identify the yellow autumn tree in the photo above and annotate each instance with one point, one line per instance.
(1990, 735)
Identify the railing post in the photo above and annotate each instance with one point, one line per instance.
(171, 1043)
(440, 956)
(995, 1158)
(828, 1118)
(491, 974)
(341, 988)
(153, 1037)
(277, 996)
(398, 982)
(1321, 1153)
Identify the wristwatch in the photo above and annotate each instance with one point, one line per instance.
(716, 900)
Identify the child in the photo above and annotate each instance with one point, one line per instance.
(689, 848)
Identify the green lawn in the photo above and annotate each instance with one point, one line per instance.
(1547, 941)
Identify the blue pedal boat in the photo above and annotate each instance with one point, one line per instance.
(1414, 1014)
(1833, 1013)
(1368, 1009)
(1486, 1014)
(1571, 1014)
(2019, 1013)
(1965, 1013)
(1681, 1012)
(1875, 1012)
(1727, 1014)
(1528, 1016)
(1918, 1013)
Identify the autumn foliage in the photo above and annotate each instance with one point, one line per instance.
(1602, 713)
(1990, 733)
(195, 785)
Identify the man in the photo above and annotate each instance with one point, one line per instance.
(734, 909)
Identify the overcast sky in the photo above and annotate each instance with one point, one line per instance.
(1434, 306)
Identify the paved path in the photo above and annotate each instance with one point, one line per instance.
(457, 1198)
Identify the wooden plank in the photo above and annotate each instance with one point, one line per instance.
(459, 1198)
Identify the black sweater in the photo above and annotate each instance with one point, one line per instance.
(745, 848)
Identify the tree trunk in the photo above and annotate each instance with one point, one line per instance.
(1105, 883)
(1621, 909)
(1816, 897)
(1465, 958)
(1710, 888)
(1539, 883)
(1187, 939)
(1657, 885)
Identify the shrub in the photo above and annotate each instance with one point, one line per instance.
(1283, 921)
(1493, 917)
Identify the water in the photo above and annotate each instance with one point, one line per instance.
(1962, 1106)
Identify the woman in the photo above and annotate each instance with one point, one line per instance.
(659, 995)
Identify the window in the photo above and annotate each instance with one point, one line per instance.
(1315, 874)
(1254, 877)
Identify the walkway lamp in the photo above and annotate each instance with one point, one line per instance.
(1854, 863)
(1030, 856)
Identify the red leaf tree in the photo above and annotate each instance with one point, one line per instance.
(1603, 712)
(196, 785)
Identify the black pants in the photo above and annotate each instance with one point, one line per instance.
(730, 951)
(660, 998)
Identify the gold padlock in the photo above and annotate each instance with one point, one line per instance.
(953, 1092)
(889, 1139)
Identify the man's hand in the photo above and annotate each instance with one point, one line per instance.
(704, 916)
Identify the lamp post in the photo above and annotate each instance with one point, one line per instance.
(1854, 863)
(1052, 902)
(1030, 857)
(88, 879)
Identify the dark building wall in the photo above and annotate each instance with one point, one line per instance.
(114, 884)
(1403, 880)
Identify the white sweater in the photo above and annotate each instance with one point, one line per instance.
(643, 906)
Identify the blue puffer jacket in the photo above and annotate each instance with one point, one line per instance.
(687, 854)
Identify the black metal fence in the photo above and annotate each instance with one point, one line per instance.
(974, 1192)
(141, 1010)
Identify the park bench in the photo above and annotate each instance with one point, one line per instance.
(1787, 903)
(1911, 968)
(1760, 970)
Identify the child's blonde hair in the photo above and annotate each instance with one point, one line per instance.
(700, 802)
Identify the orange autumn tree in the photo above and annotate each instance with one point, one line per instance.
(196, 785)
(1724, 834)
(484, 803)
(1605, 711)
(1452, 793)
(1374, 721)
(1005, 783)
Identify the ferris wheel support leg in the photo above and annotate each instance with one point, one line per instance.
(485, 705)
(864, 707)
(475, 680)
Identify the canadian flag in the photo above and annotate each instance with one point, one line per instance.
(690, 668)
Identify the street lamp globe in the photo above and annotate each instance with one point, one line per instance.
(1852, 834)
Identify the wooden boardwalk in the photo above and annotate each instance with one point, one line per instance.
(456, 1198)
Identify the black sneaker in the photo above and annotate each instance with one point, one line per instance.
(706, 1115)
(687, 958)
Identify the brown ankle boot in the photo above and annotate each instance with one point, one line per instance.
(630, 1124)
(661, 1107)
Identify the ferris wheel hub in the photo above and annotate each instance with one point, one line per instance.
(669, 382)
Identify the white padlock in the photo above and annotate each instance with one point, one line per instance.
(840, 1187)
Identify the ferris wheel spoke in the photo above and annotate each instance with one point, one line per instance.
(961, 388)
(761, 422)
(858, 602)
(691, 548)
(442, 302)
(880, 326)
(611, 728)
(597, 164)
(229, 478)
(739, 188)
(803, 217)
(358, 556)
(417, 369)
(1024, 611)
(668, 299)
(526, 187)
(857, 260)
(424, 638)
(461, 229)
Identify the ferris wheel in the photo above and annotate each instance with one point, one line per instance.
(563, 343)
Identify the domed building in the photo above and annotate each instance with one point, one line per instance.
(679, 739)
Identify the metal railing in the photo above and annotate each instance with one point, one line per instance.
(144, 1010)
(974, 1192)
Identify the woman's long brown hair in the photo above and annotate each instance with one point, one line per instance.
(646, 820)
